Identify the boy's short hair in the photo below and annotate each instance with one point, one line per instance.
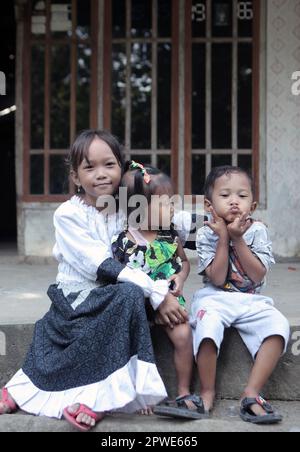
(220, 171)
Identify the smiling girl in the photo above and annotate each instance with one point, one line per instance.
(92, 352)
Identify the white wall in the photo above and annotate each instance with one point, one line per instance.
(282, 138)
(38, 229)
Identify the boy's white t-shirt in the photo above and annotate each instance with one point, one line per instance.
(258, 241)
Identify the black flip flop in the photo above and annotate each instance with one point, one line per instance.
(248, 416)
(179, 409)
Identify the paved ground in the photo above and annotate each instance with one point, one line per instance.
(225, 418)
(23, 289)
(23, 300)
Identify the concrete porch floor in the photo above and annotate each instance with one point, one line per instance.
(23, 300)
(24, 283)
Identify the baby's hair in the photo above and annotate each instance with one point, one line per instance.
(220, 171)
(138, 186)
(80, 148)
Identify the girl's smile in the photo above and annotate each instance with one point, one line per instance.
(99, 173)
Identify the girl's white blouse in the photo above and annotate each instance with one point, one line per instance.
(83, 243)
(83, 240)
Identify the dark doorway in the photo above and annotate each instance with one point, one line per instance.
(8, 228)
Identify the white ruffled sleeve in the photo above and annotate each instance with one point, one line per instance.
(183, 222)
(186, 225)
(92, 257)
(75, 244)
(155, 290)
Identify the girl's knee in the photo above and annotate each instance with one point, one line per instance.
(182, 336)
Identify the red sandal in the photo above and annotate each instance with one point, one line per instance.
(71, 417)
(8, 406)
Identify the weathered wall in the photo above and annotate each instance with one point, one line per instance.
(280, 140)
(282, 135)
(38, 229)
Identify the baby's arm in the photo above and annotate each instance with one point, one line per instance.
(94, 259)
(180, 278)
(186, 268)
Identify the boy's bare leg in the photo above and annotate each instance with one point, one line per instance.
(265, 363)
(147, 411)
(181, 337)
(207, 369)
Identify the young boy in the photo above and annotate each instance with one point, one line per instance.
(235, 254)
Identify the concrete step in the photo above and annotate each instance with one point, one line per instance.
(234, 367)
(234, 363)
(225, 418)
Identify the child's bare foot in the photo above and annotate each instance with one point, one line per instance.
(185, 407)
(81, 417)
(7, 403)
(208, 398)
(188, 403)
(147, 411)
(256, 409)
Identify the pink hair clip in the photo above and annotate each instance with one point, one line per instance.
(134, 165)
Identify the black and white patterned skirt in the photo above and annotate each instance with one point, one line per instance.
(97, 352)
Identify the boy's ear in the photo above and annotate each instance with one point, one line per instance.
(75, 179)
(253, 207)
(207, 204)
